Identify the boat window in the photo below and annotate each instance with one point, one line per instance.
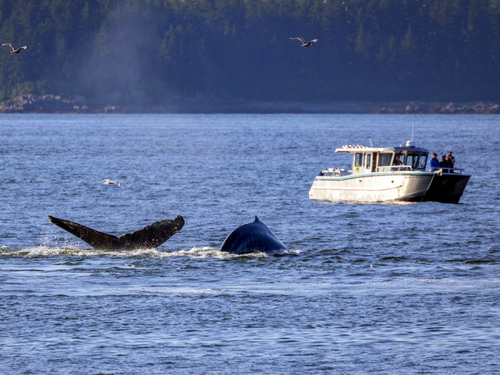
(410, 159)
(385, 159)
(416, 161)
(422, 161)
(368, 160)
(359, 160)
(399, 159)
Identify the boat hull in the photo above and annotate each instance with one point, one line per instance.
(447, 188)
(398, 186)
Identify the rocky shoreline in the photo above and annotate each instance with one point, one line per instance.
(449, 109)
(53, 104)
(200, 104)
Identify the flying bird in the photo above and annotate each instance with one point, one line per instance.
(107, 181)
(14, 49)
(304, 43)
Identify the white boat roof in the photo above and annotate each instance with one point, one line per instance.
(352, 149)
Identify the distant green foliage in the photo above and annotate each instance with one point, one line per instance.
(153, 50)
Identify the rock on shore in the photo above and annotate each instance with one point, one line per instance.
(451, 108)
(33, 103)
(201, 104)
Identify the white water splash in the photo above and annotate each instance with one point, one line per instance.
(68, 250)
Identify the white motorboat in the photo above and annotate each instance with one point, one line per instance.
(380, 174)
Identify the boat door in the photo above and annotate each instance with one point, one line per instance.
(363, 162)
(368, 162)
(359, 162)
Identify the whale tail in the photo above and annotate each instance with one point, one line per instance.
(149, 237)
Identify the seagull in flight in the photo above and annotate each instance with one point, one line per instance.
(14, 49)
(107, 181)
(304, 43)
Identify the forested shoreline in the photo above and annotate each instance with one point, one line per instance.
(153, 53)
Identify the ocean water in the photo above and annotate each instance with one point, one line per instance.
(365, 288)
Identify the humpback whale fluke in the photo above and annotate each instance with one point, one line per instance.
(253, 237)
(149, 237)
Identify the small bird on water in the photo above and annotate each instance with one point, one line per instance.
(304, 43)
(14, 49)
(107, 181)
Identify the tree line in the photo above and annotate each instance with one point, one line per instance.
(148, 51)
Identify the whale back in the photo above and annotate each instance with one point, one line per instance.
(251, 238)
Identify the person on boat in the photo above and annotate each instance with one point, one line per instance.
(446, 164)
(451, 158)
(435, 164)
(397, 161)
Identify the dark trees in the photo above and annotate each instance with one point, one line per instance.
(152, 50)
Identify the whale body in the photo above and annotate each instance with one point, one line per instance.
(251, 238)
(149, 237)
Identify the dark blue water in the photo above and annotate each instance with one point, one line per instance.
(367, 288)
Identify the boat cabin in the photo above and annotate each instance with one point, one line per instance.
(386, 159)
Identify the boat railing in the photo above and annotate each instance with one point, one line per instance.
(334, 172)
(394, 168)
(440, 171)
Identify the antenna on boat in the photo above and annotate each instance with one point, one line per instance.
(411, 143)
(370, 141)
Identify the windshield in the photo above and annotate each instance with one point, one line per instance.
(385, 159)
(422, 161)
(417, 161)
